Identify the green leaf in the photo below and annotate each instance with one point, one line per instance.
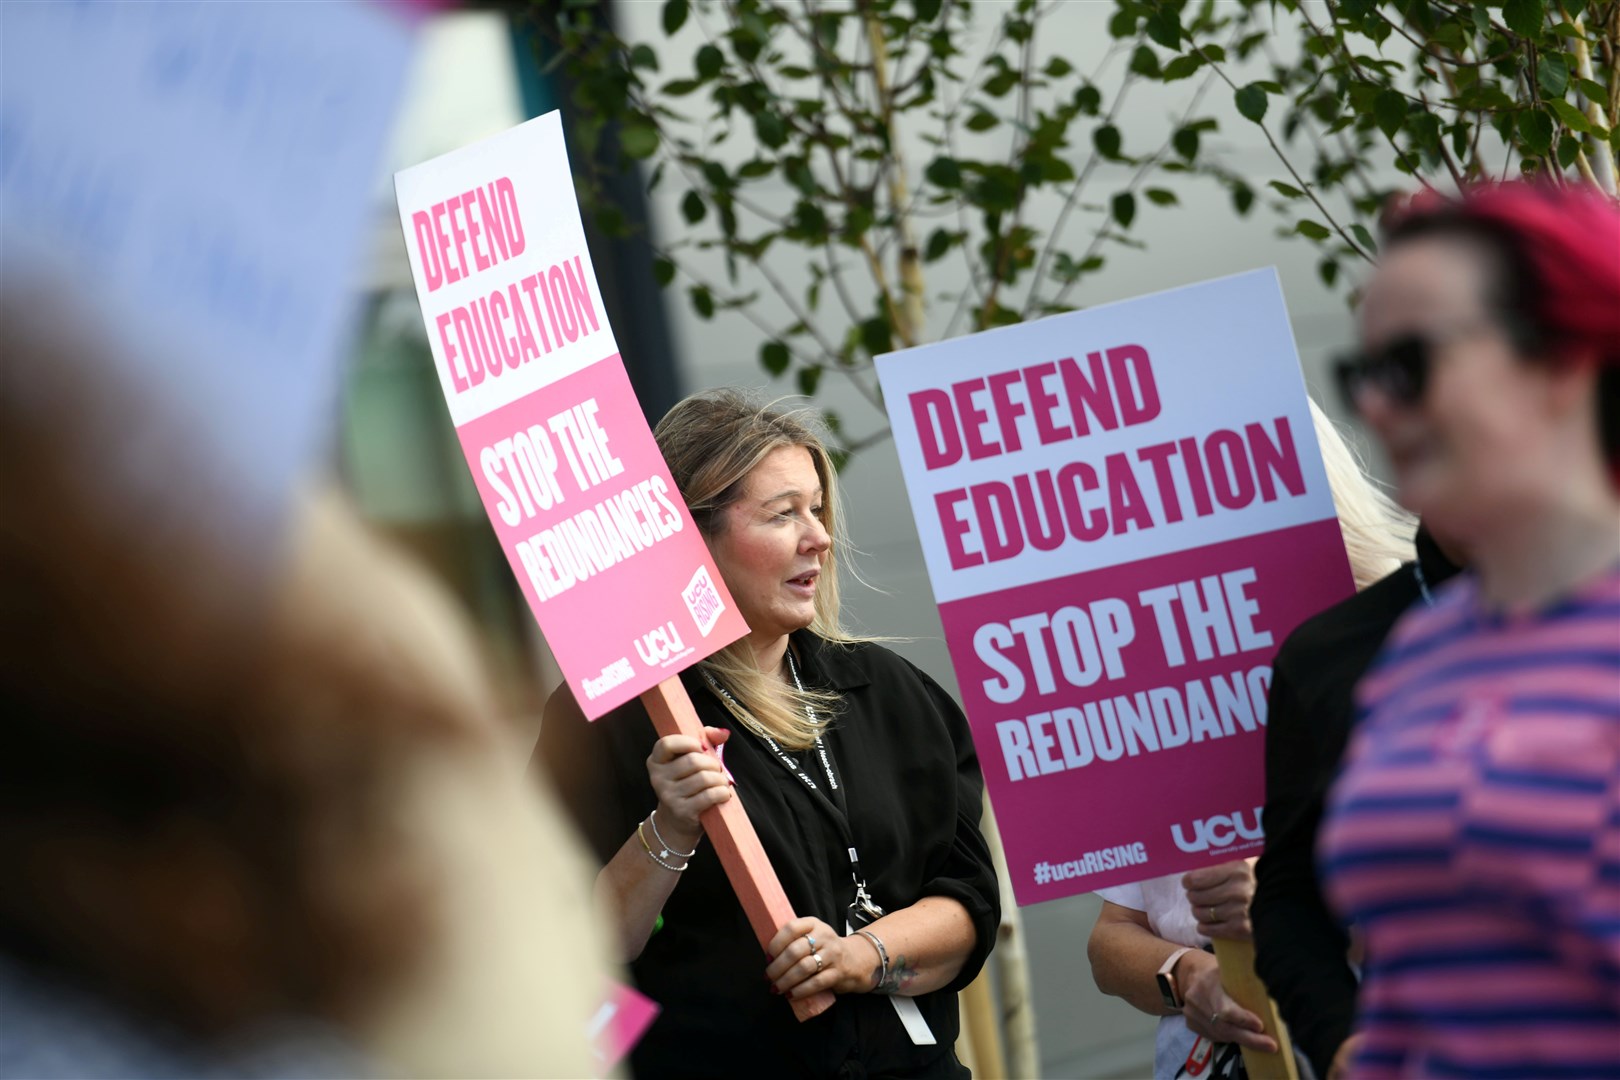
(877, 337)
(1568, 147)
(675, 12)
(1164, 26)
(1057, 67)
(1001, 82)
(1145, 62)
(1088, 99)
(1389, 110)
(709, 61)
(939, 243)
(702, 301)
(1572, 117)
(768, 125)
(927, 10)
(1186, 142)
(1287, 191)
(1535, 132)
(1124, 208)
(642, 56)
(1552, 74)
(943, 172)
(1365, 238)
(1161, 196)
(1525, 17)
(1312, 229)
(663, 271)
(1328, 271)
(774, 357)
(809, 379)
(1183, 67)
(639, 139)
(1251, 102)
(693, 208)
(982, 121)
(1123, 23)
(1242, 198)
(1591, 91)
(1107, 140)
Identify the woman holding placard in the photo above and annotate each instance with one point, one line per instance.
(1474, 836)
(1148, 944)
(860, 778)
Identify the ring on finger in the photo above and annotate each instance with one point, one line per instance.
(812, 942)
(1211, 910)
(1215, 1018)
(817, 958)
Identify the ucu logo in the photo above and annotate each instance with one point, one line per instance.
(1222, 830)
(660, 645)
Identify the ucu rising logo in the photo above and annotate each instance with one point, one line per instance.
(660, 646)
(1222, 830)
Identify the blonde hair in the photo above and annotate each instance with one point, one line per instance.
(712, 441)
(1377, 533)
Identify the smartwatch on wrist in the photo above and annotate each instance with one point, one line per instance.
(1167, 979)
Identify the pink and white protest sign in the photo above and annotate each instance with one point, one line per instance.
(605, 550)
(619, 1024)
(1123, 511)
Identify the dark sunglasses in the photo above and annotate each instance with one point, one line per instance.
(1399, 370)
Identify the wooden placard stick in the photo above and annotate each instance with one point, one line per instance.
(1236, 959)
(734, 839)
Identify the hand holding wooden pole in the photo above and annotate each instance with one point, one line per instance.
(734, 839)
(1243, 986)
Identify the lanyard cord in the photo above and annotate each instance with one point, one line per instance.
(1423, 584)
(863, 909)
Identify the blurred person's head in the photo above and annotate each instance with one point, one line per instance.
(1492, 330)
(235, 794)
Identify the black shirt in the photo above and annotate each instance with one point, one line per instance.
(1299, 944)
(904, 756)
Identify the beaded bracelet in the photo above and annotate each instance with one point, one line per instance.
(669, 848)
(640, 832)
(883, 954)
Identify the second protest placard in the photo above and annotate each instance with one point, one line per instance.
(1123, 512)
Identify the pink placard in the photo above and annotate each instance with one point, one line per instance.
(619, 1024)
(1123, 512)
(1120, 714)
(602, 545)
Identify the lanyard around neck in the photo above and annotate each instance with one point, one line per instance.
(863, 910)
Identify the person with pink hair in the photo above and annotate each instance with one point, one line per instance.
(1473, 839)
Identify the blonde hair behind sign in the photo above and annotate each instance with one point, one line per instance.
(1377, 532)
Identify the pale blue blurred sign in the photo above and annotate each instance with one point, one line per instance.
(194, 179)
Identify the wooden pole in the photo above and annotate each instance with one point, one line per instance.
(734, 839)
(1236, 959)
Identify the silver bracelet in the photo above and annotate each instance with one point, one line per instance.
(641, 833)
(883, 954)
(669, 849)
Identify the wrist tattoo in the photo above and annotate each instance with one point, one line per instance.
(898, 979)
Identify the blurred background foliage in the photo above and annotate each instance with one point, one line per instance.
(863, 145)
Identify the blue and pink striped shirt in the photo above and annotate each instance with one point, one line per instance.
(1474, 841)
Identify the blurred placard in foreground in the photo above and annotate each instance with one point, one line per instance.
(194, 180)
